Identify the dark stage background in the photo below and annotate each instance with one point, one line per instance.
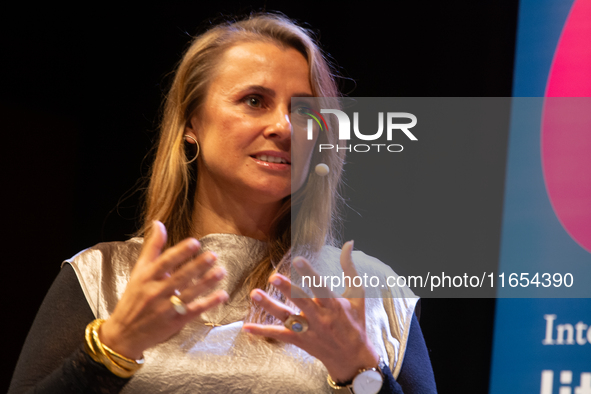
(80, 97)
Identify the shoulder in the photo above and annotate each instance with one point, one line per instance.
(105, 252)
(103, 272)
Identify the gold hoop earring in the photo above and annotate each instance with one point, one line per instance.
(196, 154)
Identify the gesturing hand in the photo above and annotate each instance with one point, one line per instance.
(336, 334)
(145, 316)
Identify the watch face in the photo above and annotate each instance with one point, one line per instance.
(367, 382)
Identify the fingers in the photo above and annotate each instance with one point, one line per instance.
(347, 260)
(350, 271)
(276, 332)
(200, 305)
(274, 307)
(155, 242)
(175, 256)
(204, 284)
(295, 294)
(280, 311)
(194, 269)
(180, 259)
(172, 257)
(303, 267)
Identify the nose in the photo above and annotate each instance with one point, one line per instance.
(279, 128)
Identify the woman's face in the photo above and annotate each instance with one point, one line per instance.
(244, 128)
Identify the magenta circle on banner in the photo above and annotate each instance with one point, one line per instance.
(566, 127)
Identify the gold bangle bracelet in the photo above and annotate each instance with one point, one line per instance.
(121, 360)
(337, 386)
(116, 363)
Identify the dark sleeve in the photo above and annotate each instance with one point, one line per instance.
(416, 375)
(52, 359)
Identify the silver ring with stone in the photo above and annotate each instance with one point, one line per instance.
(178, 305)
(297, 323)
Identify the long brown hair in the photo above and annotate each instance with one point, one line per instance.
(170, 195)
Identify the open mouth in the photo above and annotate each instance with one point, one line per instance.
(271, 159)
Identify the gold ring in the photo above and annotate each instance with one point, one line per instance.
(178, 305)
(297, 323)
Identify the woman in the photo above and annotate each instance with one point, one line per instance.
(226, 165)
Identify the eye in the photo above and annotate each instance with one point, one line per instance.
(253, 101)
(301, 110)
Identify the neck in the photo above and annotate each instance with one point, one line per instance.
(215, 212)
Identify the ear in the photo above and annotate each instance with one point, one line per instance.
(191, 130)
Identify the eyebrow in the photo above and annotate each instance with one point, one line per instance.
(271, 92)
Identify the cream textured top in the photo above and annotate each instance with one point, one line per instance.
(202, 359)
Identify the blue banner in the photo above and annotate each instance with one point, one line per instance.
(544, 345)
